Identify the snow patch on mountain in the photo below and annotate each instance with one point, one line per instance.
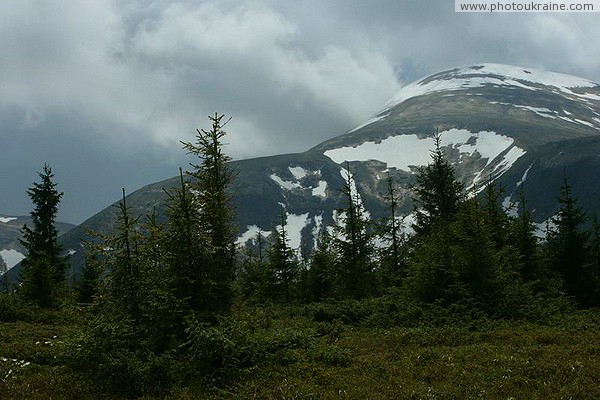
(295, 224)
(298, 172)
(408, 223)
(345, 174)
(251, 233)
(524, 177)
(6, 220)
(406, 151)
(541, 111)
(11, 257)
(285, 184)
(585, 123)
(319, 191)
(508, 160)
(541, 228)
(318, 219)
(400, 151)
(509, 207)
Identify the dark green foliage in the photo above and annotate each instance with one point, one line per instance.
(158, 279)
(43, 269)
(594, 247)
(353, 242)
(282, 263)
(567, 243)
(462, 252)
(591, 288)
(124, 263)
(522, 237)
(256, 280)
(247, 340)
(88, 284)
(392, 256)
(320, 277)
(437, 193)
(211, 187)
(495, 215)
(185, 247)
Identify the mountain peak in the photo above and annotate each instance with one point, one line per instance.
(498, 75)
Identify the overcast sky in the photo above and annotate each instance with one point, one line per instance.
(104, 90)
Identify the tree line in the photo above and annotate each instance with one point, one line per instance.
(461, 247)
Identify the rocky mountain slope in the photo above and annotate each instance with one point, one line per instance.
(11, 251)
(517, 125)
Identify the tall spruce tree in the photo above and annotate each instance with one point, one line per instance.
(438, 193)
(211, 186)
(185, 247)
(124, 264)
(86, 288)
(393, 256)
(495, 214)
(354, 244)
(320, 278)
(567, 241)
(43, 269)
(282, 261)
(522, 237)
(437, 198)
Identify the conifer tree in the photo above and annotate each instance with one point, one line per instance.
(321, 275)
(393, 257)
(495, 215)
(461, 252)
(257, 281)
(163, 311)
(43, 269)
(437, 191)
(522, 237)
(354, 244)
(124, 263)
(185, 247)
(212, 189)
(567, 241)
(593, 266)
(282, 261)
(432, 275)
(87, 286)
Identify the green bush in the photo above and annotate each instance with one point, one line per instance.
(14, 308)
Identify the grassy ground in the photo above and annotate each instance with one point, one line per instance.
(558, 359)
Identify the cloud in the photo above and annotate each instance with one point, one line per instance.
(247, 59)
(121, 83)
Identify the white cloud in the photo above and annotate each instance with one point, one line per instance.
(129, 78)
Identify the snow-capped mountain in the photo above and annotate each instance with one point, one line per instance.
(520, 126)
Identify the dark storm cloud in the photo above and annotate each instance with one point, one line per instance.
(104, 90)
